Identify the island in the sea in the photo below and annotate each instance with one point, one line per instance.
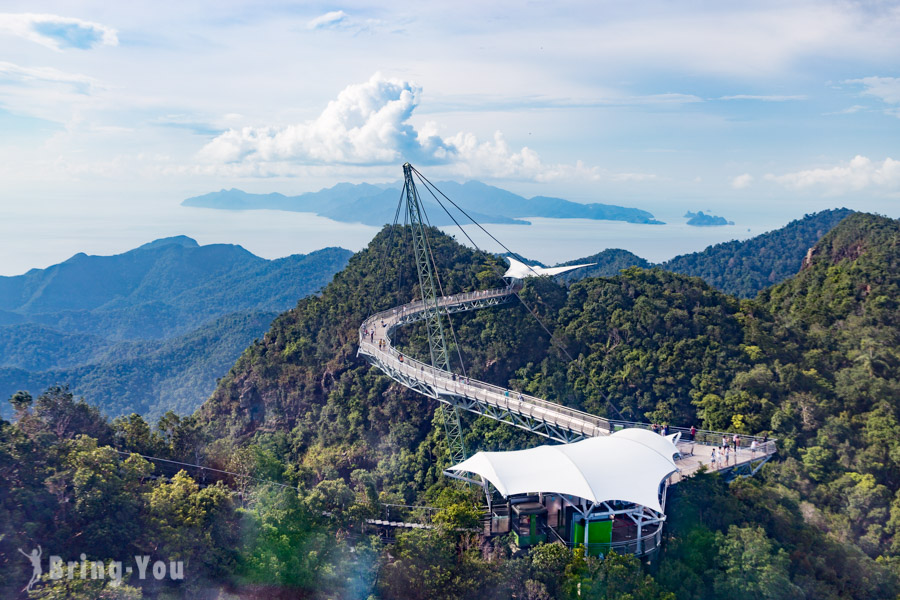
(701, 219)
(376, 204)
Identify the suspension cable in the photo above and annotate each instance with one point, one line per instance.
(441, 289)
(203, 468)
(388, 249)
(557, 343)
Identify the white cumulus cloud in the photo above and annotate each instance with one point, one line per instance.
(742, 181)
(58, 32)
(368, 124)
(858, 174)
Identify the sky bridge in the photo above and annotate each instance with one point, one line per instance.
(542, 417)
(588, 506)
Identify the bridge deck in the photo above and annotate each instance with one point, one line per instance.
(540, 416)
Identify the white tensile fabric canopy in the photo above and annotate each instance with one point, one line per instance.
(519, 270)
(618, 467)
(665, 445)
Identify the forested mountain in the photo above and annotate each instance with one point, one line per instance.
(813, 362)
(741, 268)
(147, 376)
(150, 329)
(375, 205)
(608, 263)
(164, 288)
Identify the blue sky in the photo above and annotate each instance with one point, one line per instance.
(735, 106)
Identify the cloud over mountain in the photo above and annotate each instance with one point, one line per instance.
(368, 124)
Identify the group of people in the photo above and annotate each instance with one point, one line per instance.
(662, 430)
(722, 454)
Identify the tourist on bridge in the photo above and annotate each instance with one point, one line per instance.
(665, 429)
(753, 445)
(714, 458)
(693, 432)
(737, 443)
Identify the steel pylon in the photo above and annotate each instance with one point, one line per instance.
(434, 322)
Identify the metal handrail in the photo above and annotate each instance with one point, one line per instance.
(551, 412)
(442, 380)
(646, 543)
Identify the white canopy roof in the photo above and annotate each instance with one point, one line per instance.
(664, 445)
(597, 469)
(519, 270)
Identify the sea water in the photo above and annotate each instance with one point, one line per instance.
(32, 238)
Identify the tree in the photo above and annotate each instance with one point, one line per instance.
(751, 567)
(195, 525)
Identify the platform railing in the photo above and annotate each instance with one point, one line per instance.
(639, 546)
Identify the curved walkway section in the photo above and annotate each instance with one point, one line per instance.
(537, 415)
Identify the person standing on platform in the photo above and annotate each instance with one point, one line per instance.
(693, 432)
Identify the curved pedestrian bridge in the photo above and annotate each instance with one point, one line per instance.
(537, 415)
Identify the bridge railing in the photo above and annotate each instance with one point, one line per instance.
(412, 308)
(511, 400)
(707, 437)
(529, 406)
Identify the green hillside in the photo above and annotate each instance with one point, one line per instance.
(741, 268)
(147, 377)
(608, 263)
(151, 329)
(812, 361)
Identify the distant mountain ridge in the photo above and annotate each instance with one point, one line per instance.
(161, 289)
(125, 328)
(742, 268)
(375, 205)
